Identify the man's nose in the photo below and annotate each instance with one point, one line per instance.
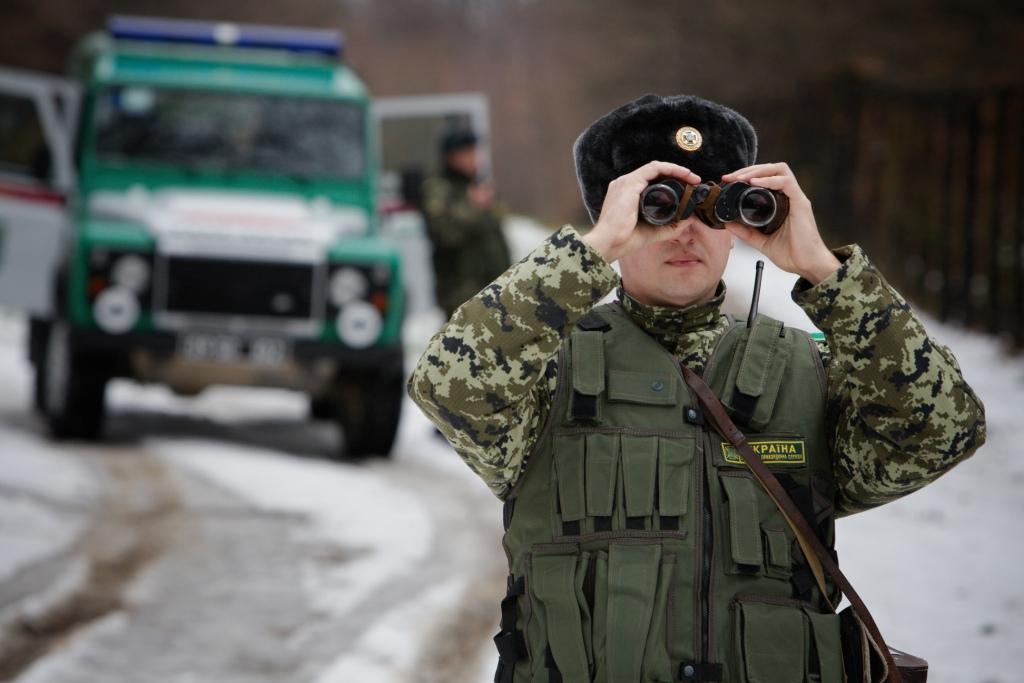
(690, 226)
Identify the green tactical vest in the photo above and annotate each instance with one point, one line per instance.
(640, 546)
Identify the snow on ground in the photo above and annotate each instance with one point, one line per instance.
(382, 529)
(34, 468)
(339, 502)
(392, 647)
(32, 532)
(352, 507)
(41, 491)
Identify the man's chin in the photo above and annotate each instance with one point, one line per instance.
(687, 294)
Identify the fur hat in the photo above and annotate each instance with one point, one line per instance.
(705, 137)
(454, 139)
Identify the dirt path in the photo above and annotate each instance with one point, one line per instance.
(185, 581)
(132, 526)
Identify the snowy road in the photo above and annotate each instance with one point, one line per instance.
(213, 539)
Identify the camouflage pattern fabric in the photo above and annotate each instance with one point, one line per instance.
(486, 378)
(469, 246)
(899, 412)
(689, 333)
(898, 408)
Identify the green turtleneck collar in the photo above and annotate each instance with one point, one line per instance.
(660, 320)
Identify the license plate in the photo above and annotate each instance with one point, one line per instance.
(232, 348)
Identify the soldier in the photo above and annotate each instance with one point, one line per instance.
(463, 223)
(640, 547)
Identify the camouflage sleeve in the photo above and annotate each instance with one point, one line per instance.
(454, 221)
(899, 411)
(487, 376)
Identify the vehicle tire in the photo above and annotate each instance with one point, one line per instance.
(39, 389)
(369, 406)
(73, 387)
(322, 408)
(39, 331)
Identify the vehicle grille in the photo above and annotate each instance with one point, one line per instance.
(239, 288)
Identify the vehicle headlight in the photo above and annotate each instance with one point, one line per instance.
(111, 268)
(116, 310)
(347, 285)
(359, 324)
(131, 271)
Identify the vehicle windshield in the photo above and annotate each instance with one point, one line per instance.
(223, 132)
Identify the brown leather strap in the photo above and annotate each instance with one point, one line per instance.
(808, 539)
(684, 201)
(706, 209)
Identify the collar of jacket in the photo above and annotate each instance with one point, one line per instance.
(456, 176)
(668, 321)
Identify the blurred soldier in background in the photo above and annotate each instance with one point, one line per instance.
(463, 223)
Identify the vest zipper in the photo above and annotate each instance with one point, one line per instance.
(707, 523)
(707, 542)
(708, 532)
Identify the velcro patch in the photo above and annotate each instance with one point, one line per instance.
(771, 452)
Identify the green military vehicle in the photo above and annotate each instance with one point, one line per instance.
(197, 206)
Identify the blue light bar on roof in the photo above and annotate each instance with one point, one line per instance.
(319, 41)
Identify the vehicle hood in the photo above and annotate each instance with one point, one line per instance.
(233, 223)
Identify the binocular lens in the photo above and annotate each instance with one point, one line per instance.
(757, 207)
(659, 204)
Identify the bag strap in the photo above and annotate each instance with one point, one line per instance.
(817, 556)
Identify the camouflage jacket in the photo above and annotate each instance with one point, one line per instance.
(899, 412)
(469, 246)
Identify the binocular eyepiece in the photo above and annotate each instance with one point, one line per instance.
(667, 200)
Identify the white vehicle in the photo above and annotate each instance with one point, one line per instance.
(207, 204)
(196, 207)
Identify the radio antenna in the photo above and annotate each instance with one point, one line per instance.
(759, 269)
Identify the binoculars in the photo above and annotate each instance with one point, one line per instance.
(667, 200)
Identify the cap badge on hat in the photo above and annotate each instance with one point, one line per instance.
(689, 138)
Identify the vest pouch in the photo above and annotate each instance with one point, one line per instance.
(633, 572)
(643, 388)
(588, 370)
(555, 582)
(779, 559)
(570, 461)
(639, 460)
(770, 640)
(600, 617)
(675, 465)
(602, 467)
(756, 373)
(743, 530)
(825, 652)
(657, 666)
